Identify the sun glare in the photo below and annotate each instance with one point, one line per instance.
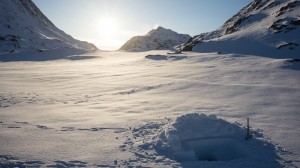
(108, 27)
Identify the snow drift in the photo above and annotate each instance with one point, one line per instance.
(198, 140)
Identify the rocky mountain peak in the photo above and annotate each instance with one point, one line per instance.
(24, 27)
(272, 25)
(159, 38)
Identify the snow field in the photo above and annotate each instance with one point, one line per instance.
(112, 110)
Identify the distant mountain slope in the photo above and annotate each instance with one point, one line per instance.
(25, 28)
(264, 27)
(159, 38)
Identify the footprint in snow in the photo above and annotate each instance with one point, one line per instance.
(67, 129)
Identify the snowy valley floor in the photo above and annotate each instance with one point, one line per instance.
(107, 111)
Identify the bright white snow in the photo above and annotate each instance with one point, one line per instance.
(101, 111)
(204, 141)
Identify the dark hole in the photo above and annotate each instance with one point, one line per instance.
(208, 157)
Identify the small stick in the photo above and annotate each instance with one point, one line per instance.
(248, 136)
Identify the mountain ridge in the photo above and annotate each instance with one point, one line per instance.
(155, 39)
(266, 28)
(26, 28)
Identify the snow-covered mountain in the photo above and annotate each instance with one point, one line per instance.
(25, 28)
(264, 27)
(159, 38)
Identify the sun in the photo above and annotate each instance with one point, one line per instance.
(108, 27)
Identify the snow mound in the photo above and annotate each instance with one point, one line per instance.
(201, 140)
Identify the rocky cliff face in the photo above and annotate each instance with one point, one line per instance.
(264, 26)
(159, 38)
(24, 27)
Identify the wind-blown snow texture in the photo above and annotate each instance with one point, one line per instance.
(152, 109)
(264, 27)
(159, 38)
(104, 112)
(24, 28)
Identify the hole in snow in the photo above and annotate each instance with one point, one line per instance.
(198, 140)
(211, 149)
(217, 149)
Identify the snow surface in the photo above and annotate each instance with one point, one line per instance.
(202, 141)
(155, 108)
(129, 109)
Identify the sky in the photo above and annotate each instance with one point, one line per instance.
(110, 23)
